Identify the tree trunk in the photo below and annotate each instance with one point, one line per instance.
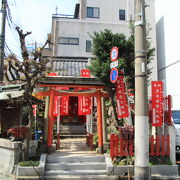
(28, 135)
(119, 122)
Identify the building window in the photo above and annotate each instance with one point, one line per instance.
(122, 15)
(68, 41)
(88, 46)
(92, 12)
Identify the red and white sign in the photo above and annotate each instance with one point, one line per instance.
(56, 106)
(64, 108)
(121, 98)
(64, 103)
(114, 53)
(84, 105)
(157, 103)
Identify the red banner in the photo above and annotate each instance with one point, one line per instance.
(56, 106)
(61, 103)
(157, 103)
(64, 110)
(121, 98)
(84, 105)
(64, 103)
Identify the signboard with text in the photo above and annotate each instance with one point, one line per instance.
(121, 98)
(157, 103)
(84, 105)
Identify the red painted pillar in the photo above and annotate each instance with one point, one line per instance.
(50, 123)
(99, 122)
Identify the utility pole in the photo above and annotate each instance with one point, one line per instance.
(2, 37)
(141, 98)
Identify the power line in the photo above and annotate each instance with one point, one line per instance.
(11, 52)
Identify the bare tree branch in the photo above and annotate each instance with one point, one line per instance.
(22, 37)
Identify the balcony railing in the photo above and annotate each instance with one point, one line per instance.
(64, 16)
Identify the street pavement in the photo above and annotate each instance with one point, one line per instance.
(5, 177)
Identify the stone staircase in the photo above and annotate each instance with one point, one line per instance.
(74, 161)
(76, 165)
(72, 131)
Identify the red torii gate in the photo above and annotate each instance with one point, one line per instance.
(53, 92)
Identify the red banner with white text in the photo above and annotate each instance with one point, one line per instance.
(84, 103)
(64, 103)
(157, 103)
(56, 110)
(61, 103)
(121, 97)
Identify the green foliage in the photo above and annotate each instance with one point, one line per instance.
(156, 160)
(102, 44)
(29, 163)
(124, 161)
(95, 139)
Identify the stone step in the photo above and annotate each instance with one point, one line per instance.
(75, 172)
(72, 126)
(80, 177)
(72, 132)
(71, 159)
(76, 166)
(65, 136)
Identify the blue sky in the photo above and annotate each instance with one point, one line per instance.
(35, 16)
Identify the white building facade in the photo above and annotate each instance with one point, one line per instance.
(71, 36)
(168, 53)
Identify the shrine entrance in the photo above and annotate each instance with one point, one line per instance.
(73, 92)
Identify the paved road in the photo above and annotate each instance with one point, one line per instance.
(5, 177)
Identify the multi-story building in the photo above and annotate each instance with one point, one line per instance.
(168, 53)
(71, 35)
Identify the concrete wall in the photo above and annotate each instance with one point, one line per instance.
(171, 132)
(109, 10)
(150, 18)
(168, 53)
(8, 155)
(83, 30)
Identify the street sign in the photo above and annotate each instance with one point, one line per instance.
(114, 64)
(114, 75)
(114, 53)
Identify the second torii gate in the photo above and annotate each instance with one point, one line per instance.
(98, 93)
